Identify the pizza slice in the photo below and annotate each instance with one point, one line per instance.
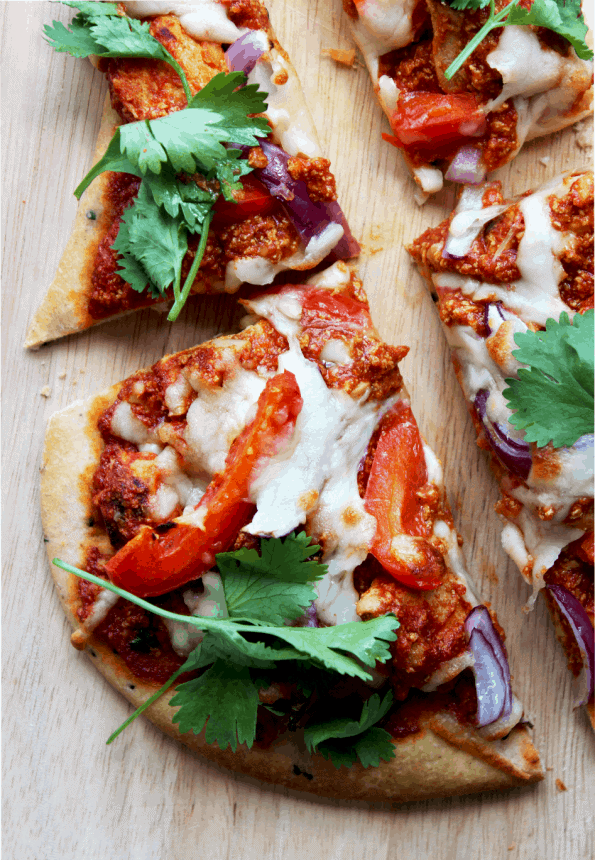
(463, 92)
(514, 286)
(258, 522)
(201, 182)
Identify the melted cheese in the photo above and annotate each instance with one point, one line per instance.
(261, 271)
(217, 416)
(205, 19)
(382, 26)
(526, 66)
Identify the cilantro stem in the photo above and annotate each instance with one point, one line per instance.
(494, 21)
(175, 65)
(146, 704)
(200, 252)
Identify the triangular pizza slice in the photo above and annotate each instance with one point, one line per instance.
(264, 531)
(463, 93)
(200, 190)
(514, 285)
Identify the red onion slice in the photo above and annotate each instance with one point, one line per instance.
(581, 626)
(479, 622)
(467, 166)
(515, 454)
(245, 52)
(308, 218)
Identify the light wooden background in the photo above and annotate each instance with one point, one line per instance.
(146, 798)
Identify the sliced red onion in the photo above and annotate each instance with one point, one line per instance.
(515, 454)
(308, 619)
(308, 218)
(347, 246)
(581, 626)
(245, 52)
(467, 166)
(489, 650)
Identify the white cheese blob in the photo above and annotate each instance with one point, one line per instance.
(217, 416)
(260, 271)
(430, 179)
(382, 26)
(286, 108)
(527, 67)
(207, 603)
(204, 19)
(127, 426)
(102, 604)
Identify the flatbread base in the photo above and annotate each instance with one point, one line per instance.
(442, 759)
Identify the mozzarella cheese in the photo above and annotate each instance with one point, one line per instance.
(206, 19)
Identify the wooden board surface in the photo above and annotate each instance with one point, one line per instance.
(145, 798)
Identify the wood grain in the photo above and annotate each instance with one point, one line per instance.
(145, 798)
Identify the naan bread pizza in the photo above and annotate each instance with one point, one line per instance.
(208, 170)
(252, 540)
(514, 283)
(461, 91)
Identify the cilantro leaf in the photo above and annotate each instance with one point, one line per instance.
(564, 17)
(152, 241)
(225, 698)
(192, 139)
(343, 741)
(99, 29)
(272, 587)
(553, 399)
(462, 5)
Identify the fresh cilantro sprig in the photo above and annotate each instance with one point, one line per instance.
(99, 29)
(170, 206)
(344, 741)
(562, 16)
(167, 153)
(552, 399)
(262, 593)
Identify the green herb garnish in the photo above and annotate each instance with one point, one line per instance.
(99, 29)
(562, 16)
(261, 593)
(182, 159)
(552, 399)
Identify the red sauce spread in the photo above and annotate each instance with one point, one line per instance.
(574, 213)
(141, 640)
(458, 697)
(431, 628)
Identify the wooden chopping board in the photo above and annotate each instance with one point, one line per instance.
(147, 798)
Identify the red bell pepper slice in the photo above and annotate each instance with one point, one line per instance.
(253, 199)
(585, 547)
(430, 121)
(159, 559)
(398, 471)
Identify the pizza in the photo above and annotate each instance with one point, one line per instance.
(510, 274)
(459, 109)
(310, 597)
(235, 190)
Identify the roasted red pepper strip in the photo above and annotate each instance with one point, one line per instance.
(157, 560)
(585, 547)
(430, 121)
(321, 308)
(253, 199)
(398, 472)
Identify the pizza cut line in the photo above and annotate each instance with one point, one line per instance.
(520, 83)
(502, 269)
(284, 218)
(178, 483)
